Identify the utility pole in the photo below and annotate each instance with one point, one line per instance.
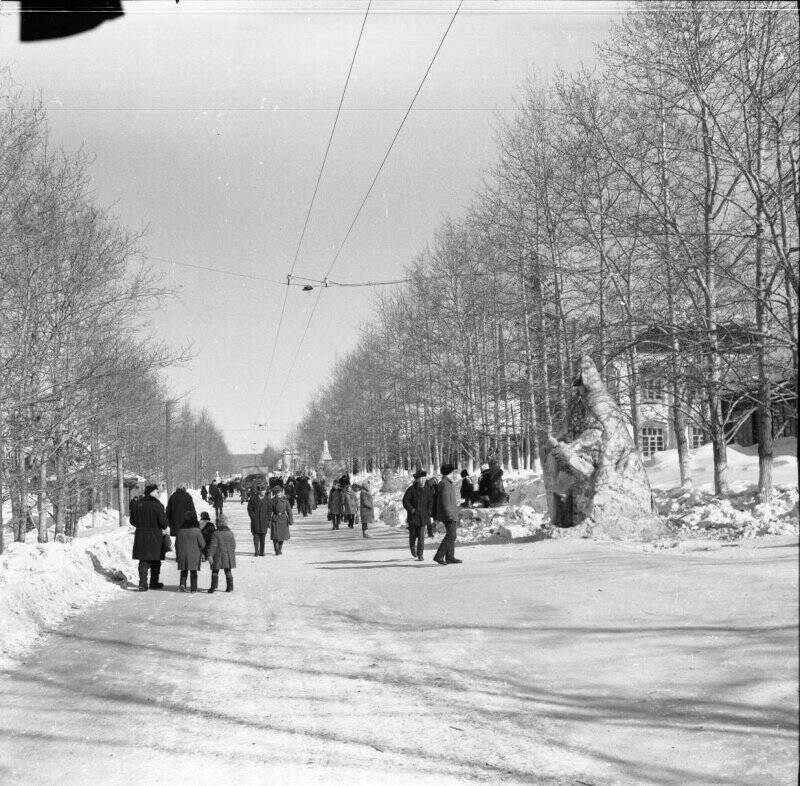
(120, 488)
(167, 424)
(195, 456)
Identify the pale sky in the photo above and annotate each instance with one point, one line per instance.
(208, 122)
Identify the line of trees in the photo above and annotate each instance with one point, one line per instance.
(80, 389)
(656, 196)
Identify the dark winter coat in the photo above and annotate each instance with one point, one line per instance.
(179, 503)
(467, 489)
(189, 548)
(290, 491)
(150, 520)
(432, 484)
(304, 490)
(204, 493)
(215, 496)
(366, 508)
(497, 489)
(418, 502)
(280, 519)
(207, 532)
(315, 484)
(259, 511)
(222, 549)
(335, 502)
(446, 501)
(350, 501)
(484, 484)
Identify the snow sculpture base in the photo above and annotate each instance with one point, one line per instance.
(593, 474)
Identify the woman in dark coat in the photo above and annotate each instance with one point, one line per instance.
(222, 555)
(259, 510)
(150, 520)
(189, 548)
(177, 505)
(349, 505)
(280, 520)
(303, 496)
(290, 491)
(335, 505)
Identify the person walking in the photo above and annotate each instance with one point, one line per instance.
(222, 555)
(366, 508)
(349, 505)
(217, 500)
(467, 489)
(418, 504)
(280, 520)
(259, 509)
(447, 513)
(179, 503)
(335, 505)
(189, 548)
(150, 520)
(303, 496)
(432, 484)
(290, 490)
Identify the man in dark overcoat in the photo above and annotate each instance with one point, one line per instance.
(447, 513)
(180, 502)
(303, 495)
(259, 510)
(150, 520)
(217, 500)
(418, 504)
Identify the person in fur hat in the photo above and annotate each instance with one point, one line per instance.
(222, 555)
(149, 519)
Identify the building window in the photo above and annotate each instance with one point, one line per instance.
(651, 389)
(652, 439)
(697, 437)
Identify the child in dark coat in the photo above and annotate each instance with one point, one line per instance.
(207, 531)
(189, 548)
(222, 554)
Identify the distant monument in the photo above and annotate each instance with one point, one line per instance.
(326, 454)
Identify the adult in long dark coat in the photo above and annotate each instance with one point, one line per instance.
(189, 550)
(280, 520)
(335, 505)
(290, 490)
(317, 496)
(418, 504)
(204, 493)
(150, 520)
(178, 505)
(447, 512)
(217, 500)
(303, 496)
(222, 555)
(259, 509)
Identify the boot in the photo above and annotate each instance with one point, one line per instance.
(276, 547)
(280, 547)
(143, 577)
(155, 573)
(194, 581)
(214, 583)
(229, 583)
(364, 533)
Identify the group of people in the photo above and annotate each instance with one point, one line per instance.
(156, 526)
(198, 539)
(270, 515)
(350, 502)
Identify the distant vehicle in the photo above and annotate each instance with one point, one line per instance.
(254, 476)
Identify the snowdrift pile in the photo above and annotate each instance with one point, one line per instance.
(689, 513)
(41, 584)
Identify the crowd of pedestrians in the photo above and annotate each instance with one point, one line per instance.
(270, 509)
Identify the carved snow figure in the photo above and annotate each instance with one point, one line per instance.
(593, 473)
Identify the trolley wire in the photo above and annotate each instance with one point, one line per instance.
(308, 212)
(361, 205)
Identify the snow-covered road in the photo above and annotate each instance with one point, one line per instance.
(344, 661)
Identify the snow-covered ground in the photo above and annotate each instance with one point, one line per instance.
(689, 513)
(41, 584)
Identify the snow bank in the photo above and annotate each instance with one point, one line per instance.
(41, 584)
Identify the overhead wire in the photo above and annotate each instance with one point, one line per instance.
(308, 212)
(363, 202)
